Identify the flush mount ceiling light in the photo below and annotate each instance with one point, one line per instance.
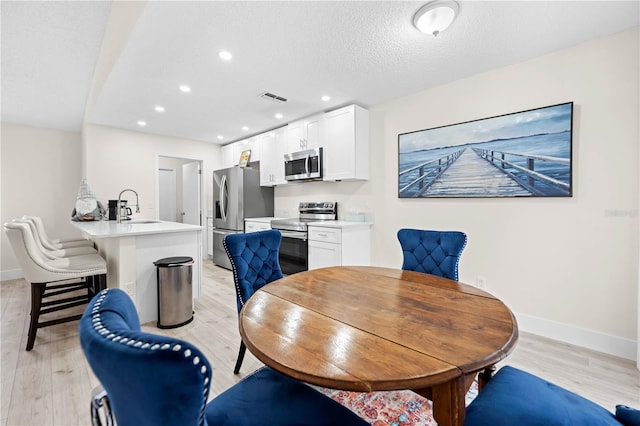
(435, 16)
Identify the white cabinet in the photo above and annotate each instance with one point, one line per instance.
(323, 255)
(254, 226)
(230, 156)
(335, 246)
(273, 146)
(252, 143)
(307, 133)
(346, 150)
(231, 152)
(210, 236)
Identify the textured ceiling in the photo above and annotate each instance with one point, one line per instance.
(356, 52)
(48, 53)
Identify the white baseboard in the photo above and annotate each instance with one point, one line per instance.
(601, 342)
(11, 274)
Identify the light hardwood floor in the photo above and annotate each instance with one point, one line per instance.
(50, 385)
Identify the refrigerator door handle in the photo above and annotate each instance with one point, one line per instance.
(223, 206)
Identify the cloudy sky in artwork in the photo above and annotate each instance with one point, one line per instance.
(551, 119)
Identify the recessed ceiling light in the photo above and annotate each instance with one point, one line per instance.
(184, 88)
(159, 108)
(279, 116)
(220, 137)
(245, 128)
(326, 98)
(225, 56)
(142, 123)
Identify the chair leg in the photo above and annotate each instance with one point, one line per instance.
(243, 349)
(484, 376)
(36, 303)
(40, 306)
(102, 282)
(91, 286)
(96, 283)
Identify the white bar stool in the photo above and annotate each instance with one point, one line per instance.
(54, 277)
(54, 254)
(55, 244)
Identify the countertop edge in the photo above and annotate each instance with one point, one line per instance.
(339, 224)
(111, 229)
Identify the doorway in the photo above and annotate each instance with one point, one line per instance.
(179, 194)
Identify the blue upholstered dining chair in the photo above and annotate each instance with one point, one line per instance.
(154, 380)
(432, 252)
(515, 397)
(254, 261)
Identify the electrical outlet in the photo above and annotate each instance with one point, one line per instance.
(481, 283)
(130, 289)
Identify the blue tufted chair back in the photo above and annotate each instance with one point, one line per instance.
(150, 379)
(254, 260)
(432, 252)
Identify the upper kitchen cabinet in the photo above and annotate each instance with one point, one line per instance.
(231, 152)
(230, 155)
(307, 133)
(273, 148)
(346, 150)
(252, 143)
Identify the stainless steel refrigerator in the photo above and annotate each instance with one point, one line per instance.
(237, 195)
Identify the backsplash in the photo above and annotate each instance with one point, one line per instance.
(352, 206)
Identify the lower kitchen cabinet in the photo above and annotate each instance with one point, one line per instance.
(341, 244)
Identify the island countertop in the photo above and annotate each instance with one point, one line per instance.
(110, 228)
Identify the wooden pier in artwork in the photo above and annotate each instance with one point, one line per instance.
(473, 172)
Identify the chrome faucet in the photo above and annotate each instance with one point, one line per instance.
(118, 207)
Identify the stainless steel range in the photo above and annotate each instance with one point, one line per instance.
(294, 253)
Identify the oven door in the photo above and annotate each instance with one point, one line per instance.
(293, 252)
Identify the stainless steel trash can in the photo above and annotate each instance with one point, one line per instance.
(175, 294)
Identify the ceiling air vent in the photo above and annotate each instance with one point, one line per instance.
(272, 97)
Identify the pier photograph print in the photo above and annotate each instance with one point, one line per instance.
(521, 154)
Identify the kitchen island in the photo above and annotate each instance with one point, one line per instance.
(131, 247)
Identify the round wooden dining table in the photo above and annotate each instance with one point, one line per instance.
(360, 328)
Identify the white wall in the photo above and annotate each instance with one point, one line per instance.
(40, 172)
(567, 267)
(117, 159)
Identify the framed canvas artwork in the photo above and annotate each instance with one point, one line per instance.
(522, 154)
(244, 158)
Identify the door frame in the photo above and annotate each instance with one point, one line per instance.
(203, 212)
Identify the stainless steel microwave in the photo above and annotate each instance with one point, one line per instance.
(303, 165)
